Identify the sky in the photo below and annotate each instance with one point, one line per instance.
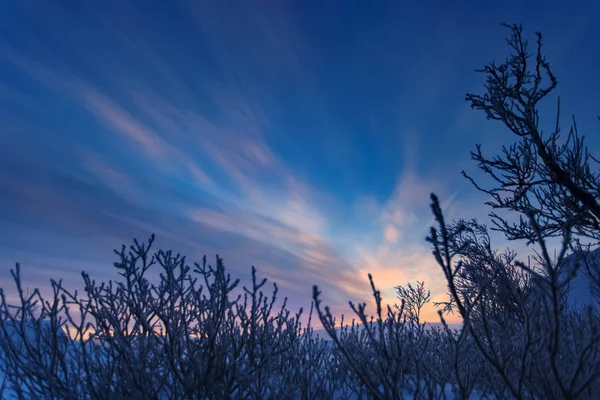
(301, 137)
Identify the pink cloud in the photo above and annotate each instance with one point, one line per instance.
(119, 121)
(391, 234)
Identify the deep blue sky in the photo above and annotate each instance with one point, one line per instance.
(298, 137)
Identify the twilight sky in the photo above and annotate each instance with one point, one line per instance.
(298, 137)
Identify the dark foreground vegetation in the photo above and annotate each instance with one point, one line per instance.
(193, 333)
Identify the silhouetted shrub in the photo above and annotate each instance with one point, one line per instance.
(522, 336)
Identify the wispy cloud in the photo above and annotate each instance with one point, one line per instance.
(305, 143)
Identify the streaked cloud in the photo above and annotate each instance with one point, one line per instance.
(304, 143)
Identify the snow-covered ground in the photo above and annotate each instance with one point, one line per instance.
(7, 393)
